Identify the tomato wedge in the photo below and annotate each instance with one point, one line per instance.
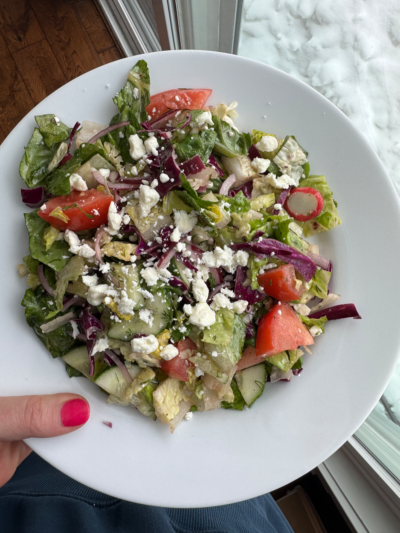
(177, 368)
(280, 283)
(84, 210)
(249, 358)
(160, 103)
(281, 329)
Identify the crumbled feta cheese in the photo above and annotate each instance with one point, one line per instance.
(114, 218)
(220, 301)
(185, 222)
(150, 276)
(136, 93)
(105, 172)
(86, 251)
(72, 239)
(260, 165)
(202, 315)
(280, 182)
(90, 281)
(189, 416)
(188, 309)
(315, 331)
(77, 183)
(43, 208)
(204, 118)
(175, 235)
(95, 212)
(240, 306)
(169, 352)
(148, 198)
(268, 143)
(96, 294)
(200, 290)
(220, 257)
(145, 345)
(100, 345)
(104, 268)
(164, 177)
(151, 145)
(277, 207)
(136, 147)
(154, 184)
(147, 316)
(75, 329)
(181, 246)
(126, 219)
(241, 258)
(126, 305)
(203, 272)
(198, 372)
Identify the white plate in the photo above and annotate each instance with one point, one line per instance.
(223, 456)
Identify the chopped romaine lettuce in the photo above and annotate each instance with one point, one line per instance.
(238, 403)
(221, 331)
(200, 144)
(230, 142)
(52, 130)
(71, 272)
(36, 159)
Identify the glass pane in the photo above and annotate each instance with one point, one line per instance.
(349, 51)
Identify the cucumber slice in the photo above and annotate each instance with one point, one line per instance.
(79, 359)
(251, 382)
(161, 308)
(129, 277)
(112, 380)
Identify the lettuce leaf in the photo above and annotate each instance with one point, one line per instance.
(255, 264)
(57, 256)
(200, 144)
(37, 305)
(309, 322)
(71, 272)
(229, 355)
(33, 167)
(285, 360)
(329, 218)
(319, 283)
(58, 180)
(230, 142)
(53, 132)
(222, 330)
(238, 402)
(257, 136)
(31, 263)
(238, 204)
(136, 92)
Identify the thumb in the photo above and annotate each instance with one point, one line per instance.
(49, 415)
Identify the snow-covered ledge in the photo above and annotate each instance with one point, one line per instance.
(368, 496)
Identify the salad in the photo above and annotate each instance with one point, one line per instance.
(168, 256)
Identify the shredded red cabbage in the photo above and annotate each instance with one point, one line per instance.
(250, 331)
(33, 197)
(243, 292)
(246, 189)
(267, 247)
(337, 312)
(282, 199)
(177, 282)
(214, 163)
(320, 261)
(193, 165)
(253, 152)
(68, 156)
(91, 324)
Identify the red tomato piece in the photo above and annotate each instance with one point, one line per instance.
(186, 348)
(85, 210)
(280, 283)
(160, 103)
(281, 329)
(249, 358)
(176, 368)
(304, 203)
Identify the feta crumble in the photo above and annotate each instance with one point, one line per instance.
(145, 345)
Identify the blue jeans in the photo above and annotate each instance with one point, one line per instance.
(40, 499)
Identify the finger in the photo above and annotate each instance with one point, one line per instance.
(50, 415)
(11, 456)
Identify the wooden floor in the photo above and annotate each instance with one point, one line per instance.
(43, 45)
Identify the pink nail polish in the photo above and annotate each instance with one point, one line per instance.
(75, 413)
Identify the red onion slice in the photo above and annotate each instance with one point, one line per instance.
(166, 258)
(227, 184)
(218, 289)
(73, 300)
(216, 273)
(282, 199)
(108, 130)
(120, 365)
(108, 424)
(99, 233)
(320, 261)
(126, 185)
(43, 280)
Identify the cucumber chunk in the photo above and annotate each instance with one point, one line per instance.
(161, 308)
(78, 358)
(251, 382)
(112, 380)
(128, 275)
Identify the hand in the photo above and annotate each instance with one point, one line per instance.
(22, 417)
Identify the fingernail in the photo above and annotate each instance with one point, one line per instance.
(75, 413)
